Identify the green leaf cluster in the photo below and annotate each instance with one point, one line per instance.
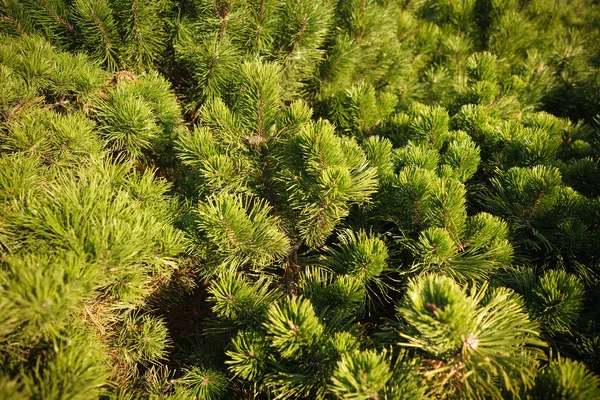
(299, 199)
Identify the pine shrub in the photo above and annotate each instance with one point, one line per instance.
(299, 199)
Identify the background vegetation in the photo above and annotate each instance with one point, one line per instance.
(374, 199)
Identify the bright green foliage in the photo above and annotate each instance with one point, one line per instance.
(364, 49)
(210, 61)
(566, 379)
(229, 148)
(127, 123)
(294, 352)
(361, 255)
(10, 390)
(249, 355)
(142, 31)
(555, 299)
(241, 302)
(45, 311)
(323, 175)
(260, 146)
(83, 237)
(462, 156)
(142, 339)
(420, 124)
(360, 375)
(345, 295)
(533, 201)
(33, 68)
(430, 215)
(139, 114)
(293, 326)
(241, 231)
(299, 199)
(405, 382)
(558, 300)
(361, 262)
(116, 33)
(441, 312)
(54, 138)
(358, 110)
(65, 214)
(471, 336)
(215, 39)
(76, 368)
(97, 24)
(204, 384)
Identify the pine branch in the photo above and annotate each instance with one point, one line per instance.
(58, 18)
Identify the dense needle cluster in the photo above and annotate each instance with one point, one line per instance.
(299, 199)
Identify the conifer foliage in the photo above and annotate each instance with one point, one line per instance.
(300, 199)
